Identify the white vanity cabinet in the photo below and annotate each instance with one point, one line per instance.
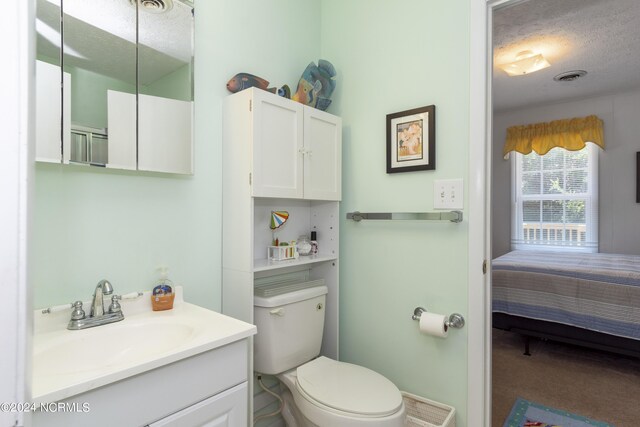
(227, 409)
(293, 151)
(207, 387)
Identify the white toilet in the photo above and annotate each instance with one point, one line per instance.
(321, 391)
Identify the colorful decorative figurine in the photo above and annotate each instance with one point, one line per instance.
(243, 81)
(278, 218)
(285, 92)
(316, 85)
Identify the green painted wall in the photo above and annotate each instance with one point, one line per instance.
(176, 85)
(91, 223)
(89, 96)
(395, 56)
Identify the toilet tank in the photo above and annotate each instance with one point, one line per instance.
(290, 323)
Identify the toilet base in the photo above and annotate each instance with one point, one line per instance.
(294, 408)
(291, 413)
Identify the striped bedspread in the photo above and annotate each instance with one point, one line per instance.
(600, 292)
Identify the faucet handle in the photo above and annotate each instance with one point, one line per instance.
(78, 312)
(115, 305)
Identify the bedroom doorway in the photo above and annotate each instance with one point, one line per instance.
(599, 385)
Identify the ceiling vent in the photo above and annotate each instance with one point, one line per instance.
(570, 76)
(154, 6)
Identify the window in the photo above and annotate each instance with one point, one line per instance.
(555, 200)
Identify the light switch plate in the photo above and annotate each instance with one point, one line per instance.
(448, 194)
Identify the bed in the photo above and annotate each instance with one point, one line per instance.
(590, 299)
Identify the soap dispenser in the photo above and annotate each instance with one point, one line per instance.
(162, 296)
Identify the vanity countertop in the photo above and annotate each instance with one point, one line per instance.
(67, 363)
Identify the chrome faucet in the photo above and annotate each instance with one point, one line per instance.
(97, 315)
(97, 305)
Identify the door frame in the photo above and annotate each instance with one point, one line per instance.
(480, 147)
(16, 185)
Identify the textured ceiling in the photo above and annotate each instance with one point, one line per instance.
(601, 37)
(99, 36)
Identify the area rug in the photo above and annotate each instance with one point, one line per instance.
(530, 414)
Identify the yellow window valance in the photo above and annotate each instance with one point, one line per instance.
(570, 134)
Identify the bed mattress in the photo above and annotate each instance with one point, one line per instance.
(594, 291)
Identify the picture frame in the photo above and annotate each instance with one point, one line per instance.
(411, 140)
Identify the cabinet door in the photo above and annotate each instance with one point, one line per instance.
(323, 155)
(277, 146)
(226, 409)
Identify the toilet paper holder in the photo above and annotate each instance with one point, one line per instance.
(455, 320)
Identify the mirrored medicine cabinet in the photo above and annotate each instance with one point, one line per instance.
(114, 84)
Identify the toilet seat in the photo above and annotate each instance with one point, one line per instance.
(348, 389)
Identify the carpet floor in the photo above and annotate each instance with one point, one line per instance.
(591, 383)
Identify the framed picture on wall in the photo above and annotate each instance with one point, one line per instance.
(411, 140)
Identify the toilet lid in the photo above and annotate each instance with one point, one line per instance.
(348, 388)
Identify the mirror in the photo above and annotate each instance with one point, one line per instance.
(127, 96)
(99, 53)
(165, 85)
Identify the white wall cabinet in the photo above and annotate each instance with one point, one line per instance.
(279, 155)
(295, 149)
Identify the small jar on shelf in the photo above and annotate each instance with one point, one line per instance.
(304, 245)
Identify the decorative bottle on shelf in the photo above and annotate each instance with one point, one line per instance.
(304, 245)
(314, 243)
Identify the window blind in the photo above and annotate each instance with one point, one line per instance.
(555, 200)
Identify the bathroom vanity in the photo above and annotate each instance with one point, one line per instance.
(179, 367)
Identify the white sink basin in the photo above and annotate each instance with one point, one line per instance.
(100, 347)
(67, 362)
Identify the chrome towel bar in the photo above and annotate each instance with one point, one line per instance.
(453, 216)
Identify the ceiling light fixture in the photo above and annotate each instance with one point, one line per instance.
(526, 62)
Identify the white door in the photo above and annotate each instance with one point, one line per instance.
(277, 146)
(322, 155)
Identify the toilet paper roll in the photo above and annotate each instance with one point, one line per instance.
(434, 324)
